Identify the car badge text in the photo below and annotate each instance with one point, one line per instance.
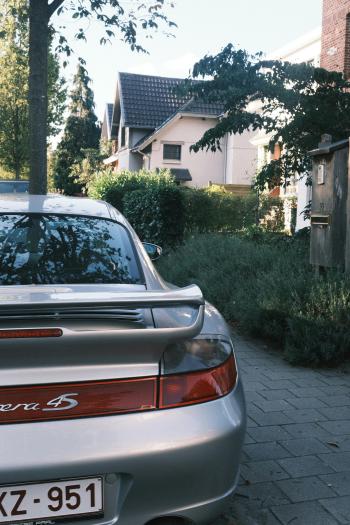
(63, 402)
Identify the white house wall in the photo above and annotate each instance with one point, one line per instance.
(304, 49)
(304, 196)
(241, 159)
(123, 159)
(203, 166)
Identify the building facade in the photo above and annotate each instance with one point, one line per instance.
(153, 126)
(335, 54)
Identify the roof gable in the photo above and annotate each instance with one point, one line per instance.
(147, 101)
(107, 122)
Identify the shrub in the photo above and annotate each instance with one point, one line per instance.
(269, 289)
(156, 214)
(212, 210)
(112, 186)
(161, 211)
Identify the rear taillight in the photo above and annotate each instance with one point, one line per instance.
(196, 371)
(197, 387)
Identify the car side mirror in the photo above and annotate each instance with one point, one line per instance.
(153, 250)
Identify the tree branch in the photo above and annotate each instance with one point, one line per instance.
(55, 4)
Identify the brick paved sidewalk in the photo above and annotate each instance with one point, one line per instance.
(296, 463)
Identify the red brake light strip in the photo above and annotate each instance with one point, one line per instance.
(24, 333)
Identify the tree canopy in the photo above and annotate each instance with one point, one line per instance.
(295, 104)
(81, 133)
(118, 18)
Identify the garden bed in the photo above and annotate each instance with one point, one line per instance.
(265, 285)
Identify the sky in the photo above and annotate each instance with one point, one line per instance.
(204, 27)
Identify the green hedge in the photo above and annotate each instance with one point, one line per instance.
(165, 207)
(112, 186)
(157, 214)
(269, 289)
(220, 211)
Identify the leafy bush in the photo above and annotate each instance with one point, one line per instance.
(112, 186)
(269, 289)
(156, 214)
(213, 210)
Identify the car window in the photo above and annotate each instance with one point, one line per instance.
(54, 249)
(14, 187)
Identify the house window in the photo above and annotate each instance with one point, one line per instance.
(172, 152)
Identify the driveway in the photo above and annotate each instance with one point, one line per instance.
(296, 464)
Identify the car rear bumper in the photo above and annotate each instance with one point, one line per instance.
(181, 462)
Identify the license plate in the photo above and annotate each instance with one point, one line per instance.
(54, 499)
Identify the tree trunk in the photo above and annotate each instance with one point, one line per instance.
(17, 147)
(38, 66)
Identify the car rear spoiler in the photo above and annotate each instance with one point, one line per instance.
(188, 296)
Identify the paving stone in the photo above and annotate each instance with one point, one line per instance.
(282, 373)
(252, 396)
(251, 423)
(339, 508)
(272, 406)
(336, 427)
(264, 451)
(337, 381)
(308, 382)
(339, 444)
(340, 461)
(252, 376)
(261, 362)
(305, 489)
(269, 418)
(305, 430)
(248, 439)
(249, 514)
(336, 413)
(335, 390)
(272, 433)
(308, 415)
(265, 494)
(339, 482)
(305, 466)
(276, 394)
(253, 386)
(308, 392)
(306, 513)
(337, 401)
(308, 402)
(259, 471)
(279, 384)
(305, 446)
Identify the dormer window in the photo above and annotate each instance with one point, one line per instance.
(172, 152)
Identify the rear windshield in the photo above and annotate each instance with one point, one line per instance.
(54, 249)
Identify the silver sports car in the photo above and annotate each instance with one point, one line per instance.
(120, 398)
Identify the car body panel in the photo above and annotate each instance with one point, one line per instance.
(192, 462)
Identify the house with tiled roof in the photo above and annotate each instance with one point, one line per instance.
(153, 126)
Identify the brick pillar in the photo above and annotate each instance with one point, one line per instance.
(335, 54)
